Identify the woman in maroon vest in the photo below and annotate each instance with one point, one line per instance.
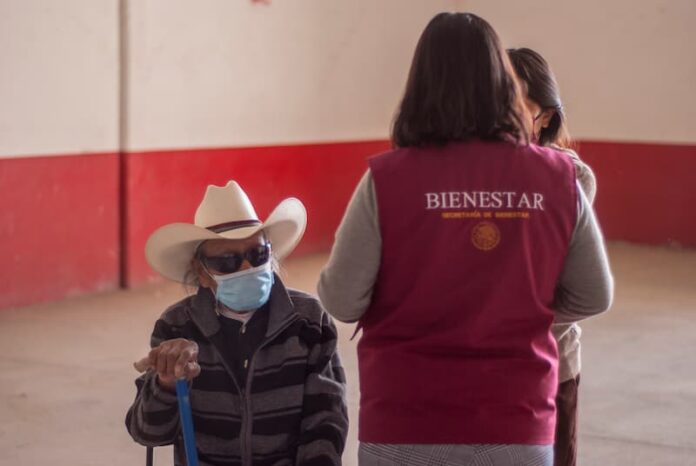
(459, 249)
(543, 100)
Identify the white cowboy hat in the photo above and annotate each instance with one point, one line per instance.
(224, 213)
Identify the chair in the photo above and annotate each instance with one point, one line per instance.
(149, 456)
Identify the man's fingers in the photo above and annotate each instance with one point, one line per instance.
(161, 363)
(187, 355)
(143, 364)
(172, 357)
(181, 363)
(152, 355)
(191, 370)
(192, 352)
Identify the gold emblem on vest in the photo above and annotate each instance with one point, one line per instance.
(485, 236)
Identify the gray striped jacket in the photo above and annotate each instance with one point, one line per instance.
(292, 410)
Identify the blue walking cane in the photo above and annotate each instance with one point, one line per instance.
(182, 396)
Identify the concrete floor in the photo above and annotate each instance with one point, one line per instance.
(66, 378)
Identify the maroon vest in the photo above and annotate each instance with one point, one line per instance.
(456, 345)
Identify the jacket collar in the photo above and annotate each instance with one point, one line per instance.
(204, 315)
(281, 308)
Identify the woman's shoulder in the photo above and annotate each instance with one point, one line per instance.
(567, 151)
(580, 165)
(554, 157)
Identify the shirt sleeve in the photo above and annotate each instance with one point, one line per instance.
(586, 285)
(153, 418)
(584, 175)
(346, 283)
(324, 426)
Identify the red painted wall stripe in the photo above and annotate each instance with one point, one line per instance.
(59, 216)
(646, 192)
(58, 227)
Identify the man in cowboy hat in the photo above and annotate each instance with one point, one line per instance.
(267, 386)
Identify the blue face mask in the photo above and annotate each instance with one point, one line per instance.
(246, 290)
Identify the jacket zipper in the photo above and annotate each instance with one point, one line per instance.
(247, 420)
(241, 394)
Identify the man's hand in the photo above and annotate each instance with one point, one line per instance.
(172, 360)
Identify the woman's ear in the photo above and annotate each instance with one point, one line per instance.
(546, 117)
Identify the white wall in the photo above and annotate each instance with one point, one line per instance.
(58, 76)
(627, 68)
(229, 73)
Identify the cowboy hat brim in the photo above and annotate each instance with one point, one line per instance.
(170, 248)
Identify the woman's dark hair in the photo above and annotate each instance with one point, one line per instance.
(460, 86)
(540, 83)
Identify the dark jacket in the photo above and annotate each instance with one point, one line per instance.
(291, 410)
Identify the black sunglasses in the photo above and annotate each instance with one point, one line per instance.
(231, 262)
